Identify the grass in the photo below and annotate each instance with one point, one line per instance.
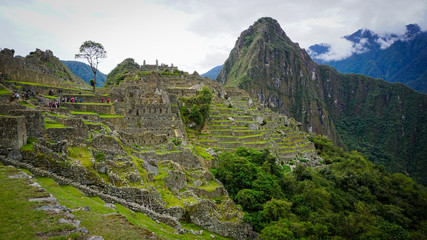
(26, 104)
(219, 130)
(4, 91)
(97, 123)
(83, 112)
(56, 114)
(202, 152)
(18, 216)
(258, 142)
(54, 125)
(81, 154)
(211, 187)
(48, 123)
(42, 85)
(110, 116)
(51, 97)
(248, 136)
(30, 144)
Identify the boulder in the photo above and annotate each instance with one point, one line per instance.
(253, 126)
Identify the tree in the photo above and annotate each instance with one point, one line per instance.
(92, 52)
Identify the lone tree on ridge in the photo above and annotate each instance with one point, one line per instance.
(92, 52)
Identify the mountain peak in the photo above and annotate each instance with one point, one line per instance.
(267, 24)
(412, 30)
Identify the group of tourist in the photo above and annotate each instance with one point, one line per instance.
(102, 100)
(55, 104)
(72, 99)
(26, 95)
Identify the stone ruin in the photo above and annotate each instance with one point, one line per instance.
(134, 133)
(158, 68)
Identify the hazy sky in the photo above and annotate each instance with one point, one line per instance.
(194, 35)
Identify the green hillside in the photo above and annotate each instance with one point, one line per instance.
(384, 121)
(84, 71)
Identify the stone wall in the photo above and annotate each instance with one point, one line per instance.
(150, 110)
(13, 133)
(98, 108)
(142, 139)
(183, 157)
(33, 120)
(183, 92)
(6, 108)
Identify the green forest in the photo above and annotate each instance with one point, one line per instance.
(348, 197)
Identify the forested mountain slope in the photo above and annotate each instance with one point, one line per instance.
(384, 121)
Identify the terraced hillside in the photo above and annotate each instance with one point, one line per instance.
(238, 122)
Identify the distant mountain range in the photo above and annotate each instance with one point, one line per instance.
(84, 71)
(213, 73)
(392, 57)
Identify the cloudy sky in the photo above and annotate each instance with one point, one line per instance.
(194, 35)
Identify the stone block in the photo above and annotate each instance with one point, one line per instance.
(13, 132)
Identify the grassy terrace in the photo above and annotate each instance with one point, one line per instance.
(225, 136)
(4, 91)
(97, 123)
(110, 116)
(42, 85)
(51, 97)
(216, 121)
(83, 112)
(54, 114)
(258, 142)
(94, 113)
(295, 146)
(248, 136)
(27, 105)
(52, 124)
(18, 216)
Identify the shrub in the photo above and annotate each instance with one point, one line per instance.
(100, 156)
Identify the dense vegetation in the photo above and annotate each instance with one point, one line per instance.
(385, 122)
(84, 71)
(196, 109)
(348, 198)
(118, 74)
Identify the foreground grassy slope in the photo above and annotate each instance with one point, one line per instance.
(20, 220)
(18, 217)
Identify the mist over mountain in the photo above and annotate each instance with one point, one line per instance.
(392, 57)
(84, 71)
(386, 122)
